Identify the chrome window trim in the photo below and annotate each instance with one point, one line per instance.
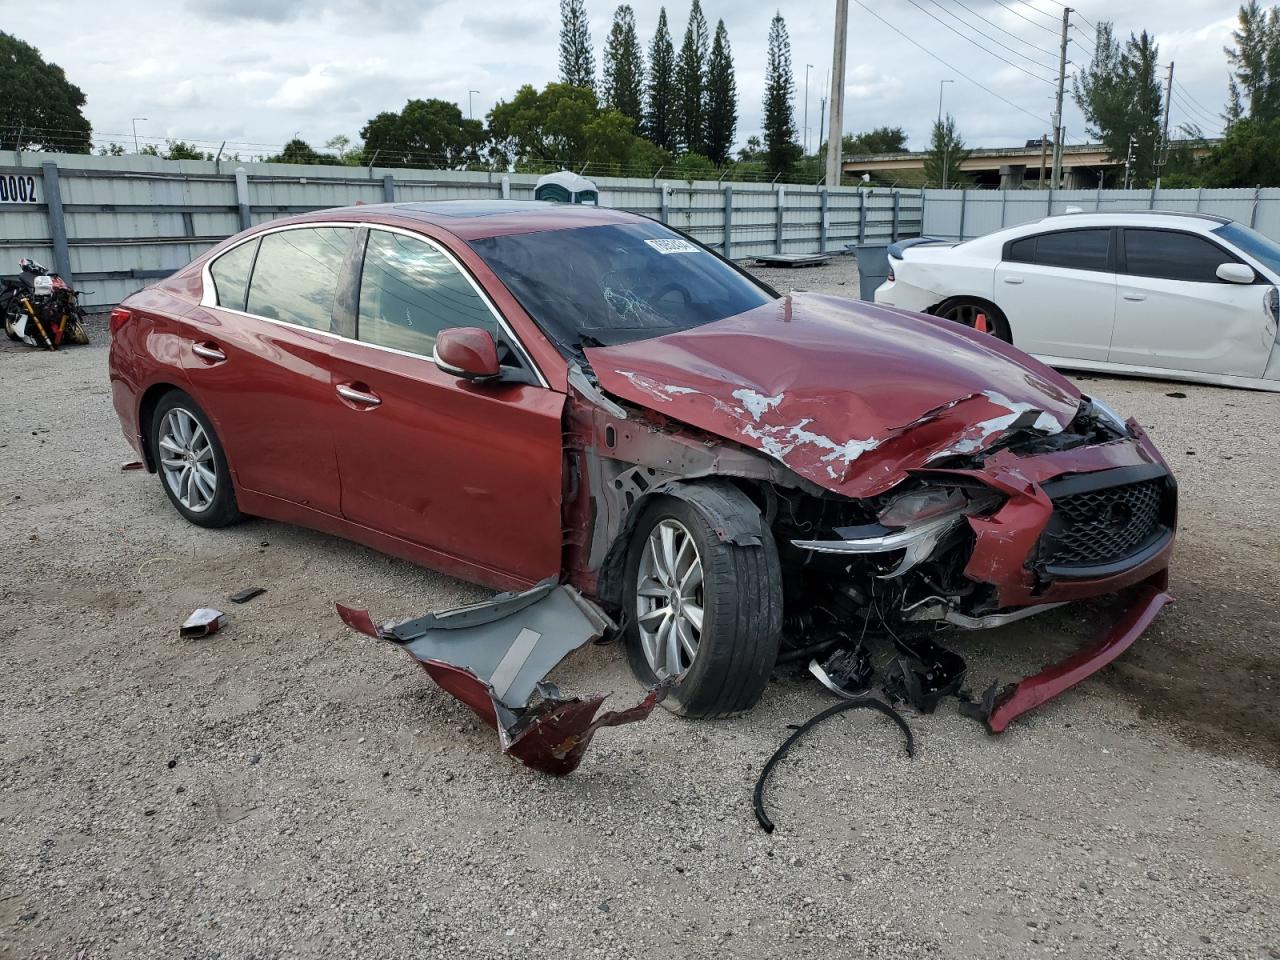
(208, 297)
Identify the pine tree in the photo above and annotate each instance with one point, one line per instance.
(577, 60)
(1255, 62)
(945, 155)
(1120, 97)
(660, 112)
(624, 66)
(691, 80)
(781, 149)
(722, 98)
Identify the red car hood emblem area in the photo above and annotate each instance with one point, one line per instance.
(846, 394)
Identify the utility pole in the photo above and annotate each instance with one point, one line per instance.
(946, 144)
(1128, 162)
(1057, 110)
(835, 129)
(807, 68)
(1162, 149)
(822, 116)
(135, 133)
(1044, 152)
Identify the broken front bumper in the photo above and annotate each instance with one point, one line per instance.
(495, 656)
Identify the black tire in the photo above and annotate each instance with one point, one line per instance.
(965, 310)
(221, 509)
(742, 615)
(9, 308)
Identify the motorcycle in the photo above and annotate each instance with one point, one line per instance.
(40, 308)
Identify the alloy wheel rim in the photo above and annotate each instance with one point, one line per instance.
(669, 599)
(186, 459)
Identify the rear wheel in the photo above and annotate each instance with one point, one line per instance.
(701, 609)
(189, 459)
(966, 311)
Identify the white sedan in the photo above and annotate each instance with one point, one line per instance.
(1173, 295)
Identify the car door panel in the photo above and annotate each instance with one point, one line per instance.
(1187, 319)
(1054, 307)
(474, 471)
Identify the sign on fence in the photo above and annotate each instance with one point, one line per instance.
(17, 188)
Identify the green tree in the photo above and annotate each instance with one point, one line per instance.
(112, 150)
(1255, 64)
(560, 125)
(1246, 156)
(1120, 97)
(780, 147)
(691, 81)
(945, 155)
(722, 98)
(877, 141)
(661, 109)
(298, 150)
(577, 60)
(181, 150)
(624, 66)
(425, 133)
(39, 106)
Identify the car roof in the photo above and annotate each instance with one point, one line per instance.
(478, 219)
(1139, 218)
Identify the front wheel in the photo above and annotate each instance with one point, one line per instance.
(191, 464)
(701, 609)
(966, 311)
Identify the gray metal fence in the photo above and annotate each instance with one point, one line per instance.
(113, 224)
(964, 214)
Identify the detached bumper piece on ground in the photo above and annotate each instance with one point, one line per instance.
(494, 657)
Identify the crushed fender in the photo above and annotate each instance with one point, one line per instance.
(494, 657)
(857, 703)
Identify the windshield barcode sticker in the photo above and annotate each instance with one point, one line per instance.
(672, 246)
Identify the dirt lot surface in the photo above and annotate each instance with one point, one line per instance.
(291, 788)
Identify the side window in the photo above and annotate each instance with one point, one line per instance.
(230, 274)
(410, 291)
(1074, 249)
(1023, 251)
(296, 275)
(1172, 256)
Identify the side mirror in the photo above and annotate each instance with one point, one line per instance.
(467, 352)
(1236, 273)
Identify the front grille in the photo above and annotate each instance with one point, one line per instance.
(1094, 528)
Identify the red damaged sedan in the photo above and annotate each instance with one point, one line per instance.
(592, 410)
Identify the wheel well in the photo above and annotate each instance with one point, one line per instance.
(146, 410)
(942, 304)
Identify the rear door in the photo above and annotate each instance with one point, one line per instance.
(1058, 291)
(472, 471)
(259, 361)
(1173, 311)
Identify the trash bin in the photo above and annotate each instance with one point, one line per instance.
(873, 268)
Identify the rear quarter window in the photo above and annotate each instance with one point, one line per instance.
(230, 274)
(296, 275)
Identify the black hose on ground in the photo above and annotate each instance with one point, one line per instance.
(858, 703)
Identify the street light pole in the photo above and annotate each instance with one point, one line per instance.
(807, 68)
(946, 143)
(470, 112)
(135, 133)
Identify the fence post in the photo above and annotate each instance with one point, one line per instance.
(1004, 199)
(728, 223)
(506, 187)
(665, 203)
(57, 223)
(893, 231)
(862, 215)
(782, 199)
(1048, 204)
(1151, 201)
(963, 204)
(1253, 214)
(242, 198)
(388, 188)
(1200, 197)
(824, 219)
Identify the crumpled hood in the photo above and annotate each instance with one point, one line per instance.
(846, 394)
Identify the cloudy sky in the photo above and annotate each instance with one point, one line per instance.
(255, 72)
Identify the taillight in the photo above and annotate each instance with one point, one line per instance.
(891, 273)
(119, 317)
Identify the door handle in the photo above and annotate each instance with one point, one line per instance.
(208, 351)
(362, 397)
(1135, 296)
(1012, 279)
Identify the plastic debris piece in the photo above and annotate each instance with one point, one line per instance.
(202, 623)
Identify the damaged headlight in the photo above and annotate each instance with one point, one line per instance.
(1105, 414)
(932, 502)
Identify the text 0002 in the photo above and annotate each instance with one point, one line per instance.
(17, 188)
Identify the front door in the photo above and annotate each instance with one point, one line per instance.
(1173, 312)
(260, 352)
(1058, 291)
(471, 471)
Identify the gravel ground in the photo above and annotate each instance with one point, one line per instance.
(291, 788)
